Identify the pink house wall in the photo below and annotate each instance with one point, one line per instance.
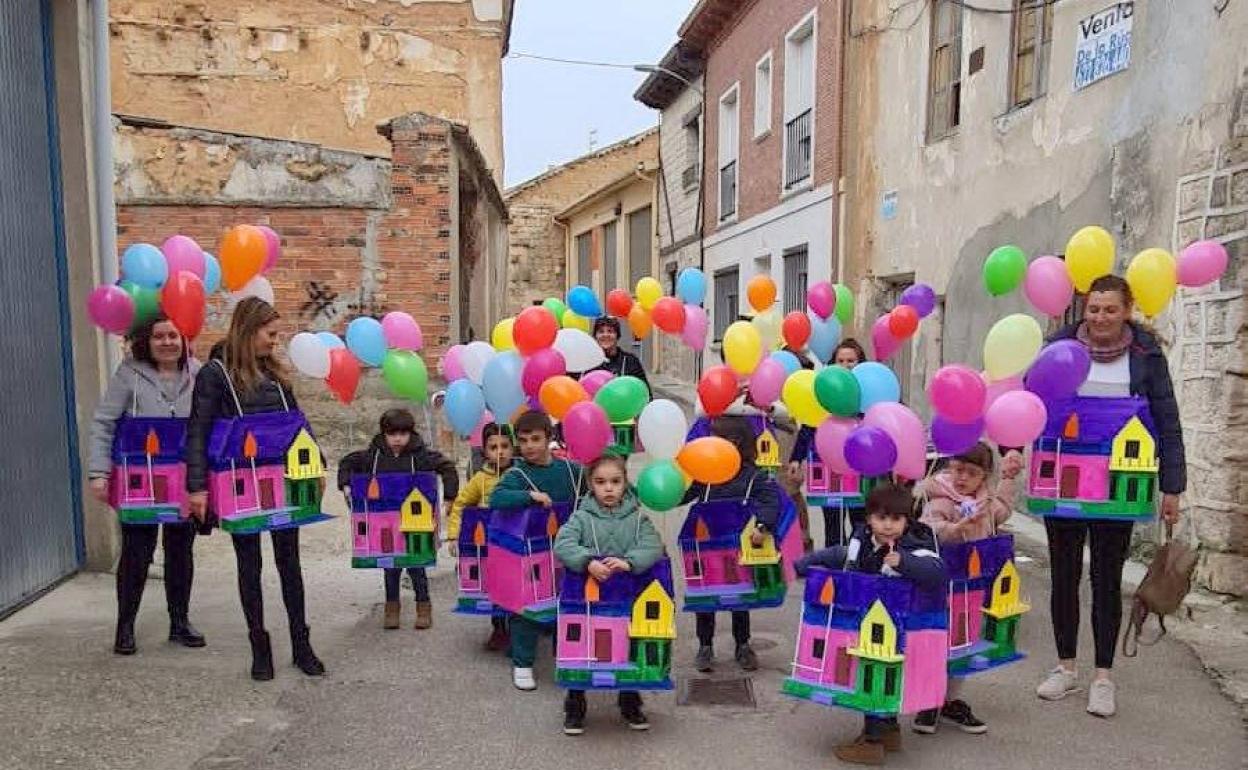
(578, 652)
(715, 562)
(509, 579)
(222, 489)
(381, 521)
(790, 551)
(848, 485)
(923, 674)
(466, 583)
(120, 492)
(972, 603)
(824, 671)
(1093, 475)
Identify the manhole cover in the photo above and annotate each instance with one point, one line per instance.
(716, 692)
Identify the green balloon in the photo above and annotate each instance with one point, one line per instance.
(837, 390)
(661, 485)
(146, 302)
(623, 398)
(1004, 270)
(844, 304)
(556, 308)
(405, 373)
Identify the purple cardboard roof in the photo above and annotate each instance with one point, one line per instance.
(131, 435)
(469, 517)
(394, 489)
(994, 552)
(273, 432)
(527, 523)
(722, 517)
(857, 591)
(622, 589)
(1100, 419)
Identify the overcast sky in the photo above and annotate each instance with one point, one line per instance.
(549, 108)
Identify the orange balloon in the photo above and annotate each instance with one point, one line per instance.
(558, 394)
(761, 292)
(639, 321)
(710, 460)
(244, 250)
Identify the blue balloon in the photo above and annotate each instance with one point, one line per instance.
(212, 274)
(691, 286)
(825, 335)
(500, 383)
(367, 341)
(788, 361)
(877, 383)
(330, 340)
(583, 302)
(464, 406)
(145, 265)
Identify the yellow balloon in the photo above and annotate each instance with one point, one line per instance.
(1089, 255)
(500, 338)
(799, 398)
(573, 321)
(1152, 276)
(743, 347)
(649, 291)
(1012, 344)
(768, 325)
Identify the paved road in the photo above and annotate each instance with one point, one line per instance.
(403, 699)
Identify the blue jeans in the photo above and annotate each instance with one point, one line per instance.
(420, 582)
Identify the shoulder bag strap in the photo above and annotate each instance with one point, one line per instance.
(230, 383)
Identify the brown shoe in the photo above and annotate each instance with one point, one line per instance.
(391, 618)
(861, 752)
(424, 616)
(891, 739)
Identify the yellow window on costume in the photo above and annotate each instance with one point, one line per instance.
(654, 614)
(877, 636)
(303, 458)
(1005, 594)
(416, 514)
(1134, 449)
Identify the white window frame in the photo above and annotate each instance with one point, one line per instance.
(731, 95)
(809, 21)
(762, 106)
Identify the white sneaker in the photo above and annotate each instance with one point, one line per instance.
(1101, 698)
(523, 679)
(1059, 683)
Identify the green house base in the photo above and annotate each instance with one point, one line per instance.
(1086, 509)
(396, 562)
(264, 521)
(768, 596)
(158, 514)
(827, 696)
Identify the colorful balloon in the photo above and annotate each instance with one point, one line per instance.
(244, 252)
(581, 352)
(903, 322)
(717, 389)
(578, 322)
(661, 486)
(767, 382)
(639, 322)
(464, 406)
(905, 428)
(796, 330)
(619, 302)
(768, 325)
(870, 451)
(583, 302)
(1059, 370)
(331, 340)
(146, 302)
(258, 286)
(212, 274)
(1089, 255)
(876, 383)
(111, 309)
(1048, 287)
(830, 439)
(344, 374)
(502, 338)
(691, 286)
(401, 331)
(309, 355)
(883, 342)
(1153, 278)
(405, 373)
(586, 431)
(1004, 270)
(1011, 345)
(710, 460)
(273, 252)
(452, 364)
(555, 307)
(475, 356)
(697, 324)
(800, 399)
(500, 383)
(593, 381)
(474, 438)
(622, 398)
(534, 329)
(844, 304)
(743, 347)
(760, 291)
(952, 438)
(144, 264)
(957, 393)
(1201, 263)
(1015, 419)
(669, 315)
(997, 388)
(183, 254)
(787, 360)
(921, 297)
(648, 292)
(662, 427)
(821, 299)
(541, 366)
(559, 394)
(825, 335)
(838, 391)
(366, 340)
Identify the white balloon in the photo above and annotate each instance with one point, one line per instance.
(662, 427)
(309, 355)
(256, 287)
(580, 351)
(474, 358)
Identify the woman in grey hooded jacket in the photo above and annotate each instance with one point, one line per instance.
(155, 381)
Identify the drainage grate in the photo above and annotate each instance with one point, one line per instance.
(716, 692)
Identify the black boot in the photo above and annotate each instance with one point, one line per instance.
(182, 632)
(261, 656)
(305, 658)
(123, 643)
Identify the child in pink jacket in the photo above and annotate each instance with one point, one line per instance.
(959, 504)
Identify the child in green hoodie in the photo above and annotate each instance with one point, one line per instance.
(607, 534)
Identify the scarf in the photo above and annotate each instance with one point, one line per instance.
(1104, 354)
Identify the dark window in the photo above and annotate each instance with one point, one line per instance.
(1133, 490)
(574, 632)
(537, 573)
(1133, 450)
(305, 456)
(868, 673)
(1006, 583)
(697, 567)
(610, 277)
(652, 610)
(727, 300)
(1033, 33)
(818, 649)
(652, 655)
(136, 481)
(240, 488)
(1009, 632)
(990, 628)
(944, 88)
(474, 572)
(877, 633)
(1047, 469)
(890, 680)
(361, 529)
(797, 150)
(795, 279)
(584, 259)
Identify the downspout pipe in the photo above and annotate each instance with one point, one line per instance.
(102, 155)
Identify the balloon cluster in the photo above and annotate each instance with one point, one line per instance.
(662, 484)
(178, 277)
(899, 324)
(392, 344)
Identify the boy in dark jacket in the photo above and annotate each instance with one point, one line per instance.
(894, 545)
(398, 448)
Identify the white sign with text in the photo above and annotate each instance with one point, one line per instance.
(1103, 44)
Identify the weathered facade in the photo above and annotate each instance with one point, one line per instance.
(320, 72)
(966, 130)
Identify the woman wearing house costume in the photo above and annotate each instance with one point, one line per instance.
(154, 382)
(245, 378)
(1126, 361)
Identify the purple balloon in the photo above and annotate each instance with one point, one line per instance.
(951, 438)
(1059, 370)
(870, 451)
(921, 297)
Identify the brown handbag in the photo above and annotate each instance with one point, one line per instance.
(1161, 592)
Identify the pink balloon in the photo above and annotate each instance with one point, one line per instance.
(696, 325)
(906, 430)
(997, 388)
(821, 299)
(1048, 287)
(275, 247)
(111, 309)
(586, 431)
(183, 254)
(882, 340)
(767, 381)
(541, 366)
(957, 393)
(474, 438)
(1015, 419)
(593, 381)
(401, 331)
(830, 442)
(1202, 263)
(451, 366)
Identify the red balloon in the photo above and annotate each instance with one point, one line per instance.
(669, 315)
(795, 329)
(619, 302)
(717, 390)
(182, 299)
(535, 329)
(344, 374)
(903, 321)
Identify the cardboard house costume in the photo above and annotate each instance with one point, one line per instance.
(394, 519)
(522, 573)
(148, 483)
(985, 604)
(473, 562)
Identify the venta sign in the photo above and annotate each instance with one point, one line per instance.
(1103, 45)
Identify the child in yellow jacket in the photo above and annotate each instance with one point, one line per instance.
(497, 449)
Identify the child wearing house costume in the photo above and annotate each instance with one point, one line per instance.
(894, 546)
(758, 488)
(398, 448)
(606, 535)
(537, 478)
(496, 456)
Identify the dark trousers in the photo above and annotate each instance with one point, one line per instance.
(286, 555)
(1109, 542)
(420, 583)
(834, 531)
(574, 704)
(138, 544)
(740, 627)
(875, 727)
